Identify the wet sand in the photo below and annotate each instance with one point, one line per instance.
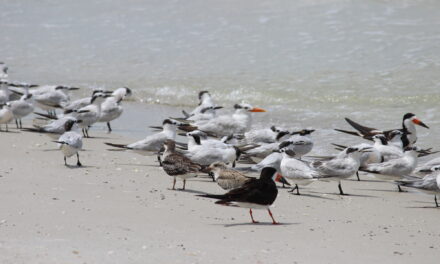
(119, 208)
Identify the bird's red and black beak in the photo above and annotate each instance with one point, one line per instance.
(419, 122)
(256, 109)
(279, 178)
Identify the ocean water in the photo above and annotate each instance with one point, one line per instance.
(308, 62)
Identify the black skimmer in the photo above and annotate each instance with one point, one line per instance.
(255, 194)
(408, 127)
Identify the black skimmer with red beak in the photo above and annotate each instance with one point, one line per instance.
(408, 128)
(254, 194)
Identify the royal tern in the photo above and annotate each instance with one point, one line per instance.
(396, 168)
(296, 171)
(3, 70)
(4, 92)
(151, 144)
(22, 107)
(205, 114)
(205, 100)
(111, 108)
(299, 143)
(429, 184)
(272, 160)
(6, 115)
(428, 166)
(254, 194)
(88, 115)
(53, 129)
(177, 165)
(209, 151)
(69, 107)
(70, 142)
(237, 123)
(52, 97)
(386, 150)
(408, 127)
(343, 166)
(372, 156)
(265, 135)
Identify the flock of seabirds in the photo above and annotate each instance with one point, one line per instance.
(215, 143)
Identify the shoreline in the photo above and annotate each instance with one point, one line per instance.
(119, 208)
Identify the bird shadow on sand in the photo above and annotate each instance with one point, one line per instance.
(311, 196)
(79, 167)
(423, 207)
(97, 137)
(187, 191)
(351, 195)
(139, 165)
(9, 131)
(362, 180)
(257, 224)
(380, 190)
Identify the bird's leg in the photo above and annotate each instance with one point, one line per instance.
(174, 183)
(271, 216)
(65, 161)
(16, 123)
(7, 127)
(400, 189)
(211, 174)
(340, 189)
(84, 133)
(78, 163)
(87, 132)
(252, 217)
(109, 127)
(233, 164)
(294, 188)
(159, 159)
(184, 183)
(297, 190)
(435, 199)
(357, 175)
(21, 125)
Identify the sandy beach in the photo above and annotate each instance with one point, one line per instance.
(119, 208)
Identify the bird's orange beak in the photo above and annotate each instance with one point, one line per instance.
(256, 109)
(420, 123)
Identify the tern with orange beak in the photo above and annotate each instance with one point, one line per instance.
(237, 123)
(254, 194)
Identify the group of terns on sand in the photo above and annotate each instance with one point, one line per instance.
(215, 143)
(18, 100)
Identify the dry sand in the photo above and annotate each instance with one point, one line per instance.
(118, 208)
